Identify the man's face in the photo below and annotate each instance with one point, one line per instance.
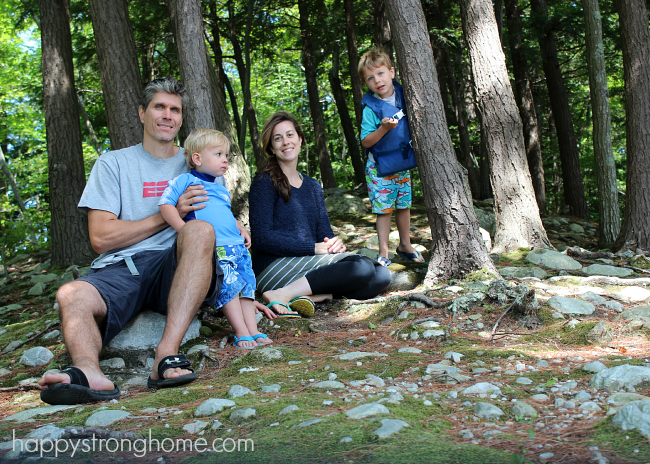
(163, 117)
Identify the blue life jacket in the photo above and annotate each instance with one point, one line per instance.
(393, 152)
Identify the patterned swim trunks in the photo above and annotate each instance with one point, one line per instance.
(238, 276)
(388, 193)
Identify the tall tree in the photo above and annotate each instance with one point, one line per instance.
(635, 35)
(517, 215)
(67, 178)
(326, 172)
(524, 95)
(353, 58)
(382, 27)
(574, 193)
(457, 245)
(15, 190)
(118, 67)
(609, 224)
(206, 106)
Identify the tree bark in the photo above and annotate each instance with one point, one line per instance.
(457, 244)
(526, 104)
(206, 106)
(346, 121)
(67, 178)
(635, 38)
(119, 71)
(353, 58)
(326, 172)
(517, 215)
(382, 27)
(609, 224)
(15, 190)
(574, 193)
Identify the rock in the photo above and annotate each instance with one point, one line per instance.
(605, 270)
(522, 409)
(409, 349)
(523, 381)
(275, 388)
(433, 333)
(582, 396)
(595, 367)
(601, 333)
(613, 305)
(455, 357)
(267, 354)
(571, 305)
(47, 432)
(487, 410)
(437, 368)
(482, 388)
(329, 384)
(37, 289)
(542, 363)
(429, 324)
(106, 417)
(486, 220)
(487, 240)
(552, 259)
(211, 406)
(308, 423)
(541, 397)
(633, 294)
(593, 297)
(237, 390)
(375, 381)
(577, 228)
(288, 409)
(634, 416)
(346, 440)
(360, 354)
(522, 272)
(51, 335)
(4, 371)
(640, 313)
(43, 278)
(403, 315)
(36, 356)
(546, 456)
(195, 427)
(589, 406)
(366, 410)
(24, 416)
(622, 398)
(624, 375)
(242, 415)
(112, 363)
(405, 276)
(196, 349)
(389, 427)
(346, 204)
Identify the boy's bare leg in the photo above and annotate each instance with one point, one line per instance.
(403, 221)
(194, 250)
(234, 312)
(248, 312)
(81, 310)
(383, 230)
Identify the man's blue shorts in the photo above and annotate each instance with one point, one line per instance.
(126, 294)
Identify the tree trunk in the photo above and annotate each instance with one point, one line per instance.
(326, 172)
(206, 106)
(574, 193)
(635, 38)
(609, 224)
(517, 215)
(457, 244)
(346, 122)
(382, 27)
(15, 190)
(353, 58)
(91, 131)
(119, 71)
(67, 178)
(526, 104)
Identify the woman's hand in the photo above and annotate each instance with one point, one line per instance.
(334, 245)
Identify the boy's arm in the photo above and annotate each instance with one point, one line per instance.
(244, 233)
(171, 216)
(374, 137)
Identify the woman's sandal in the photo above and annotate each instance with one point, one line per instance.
(303, 306)
(292, 314)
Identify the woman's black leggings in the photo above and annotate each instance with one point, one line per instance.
(354, 277)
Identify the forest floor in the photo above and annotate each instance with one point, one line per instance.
(377, 354)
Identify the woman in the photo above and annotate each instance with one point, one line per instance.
(295, 252)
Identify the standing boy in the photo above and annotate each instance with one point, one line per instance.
(384, 128)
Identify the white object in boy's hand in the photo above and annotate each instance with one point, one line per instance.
(399, 115)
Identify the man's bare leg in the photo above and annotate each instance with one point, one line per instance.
(195, 249)
(81, 310)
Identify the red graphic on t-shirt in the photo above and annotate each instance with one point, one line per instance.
(154, 189)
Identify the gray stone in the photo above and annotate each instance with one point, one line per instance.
(552, 259)
(409, 349)
(487, 410)
(577, 228)
(640, 313)
(613, 305)
(309, 422)
(437, 368)
(605, 270)
(375, 381)
(242, 415)
(541, 363)
(366, 410)
(433, 333)
(37, 289)
(211, 406)
(582, 396)
(482, 388)
(389, 427)
(622, 398)
(195, 427)
(541, 397)
(625, 375)
(47, 432)
(36, 356)
(455, 357)
(522, 272)
(24, 416)
(571, 305)
(633, 294)
(329, 384)
(288, 409)
(634, 416)
(112, 363)
(522, 409)
(405, 276)
(346, 440)
(593, 297)
(346, 204)
(106, 417)
(414, 336)
(523, 381)
(197, 349)
(487, 240)
(237, 390)
(403, 315)
(4, 371)
(486, 220)
(267, 354)
(51, 335)
(546, 456)
(589, 406)
(601, 333)
(43, 278)
(360, 354)
(429, 324)
(275, 388)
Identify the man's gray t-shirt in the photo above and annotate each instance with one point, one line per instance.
(128, 183)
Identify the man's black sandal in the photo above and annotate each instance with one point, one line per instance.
(77, 391)
(172, 362)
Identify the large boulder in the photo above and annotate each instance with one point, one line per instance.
(623, 376)
(346, 204)
(552, 259)
(640, 313)
(486, 220)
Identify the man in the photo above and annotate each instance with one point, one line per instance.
(142, 264)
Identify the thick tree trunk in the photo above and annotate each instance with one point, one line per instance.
(574, 193)
(609, 224)
(326, 172)
(635, 38)
(457, 244)
(517, 215)
(353, 58)
(382, 27)
(526, 104)
(118, 67)
(67, 178)
(206, 106)
(346, 122)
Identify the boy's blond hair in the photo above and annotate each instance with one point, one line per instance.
(372, 59)
(199, 139)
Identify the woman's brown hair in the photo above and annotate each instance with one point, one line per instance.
(272, 167)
